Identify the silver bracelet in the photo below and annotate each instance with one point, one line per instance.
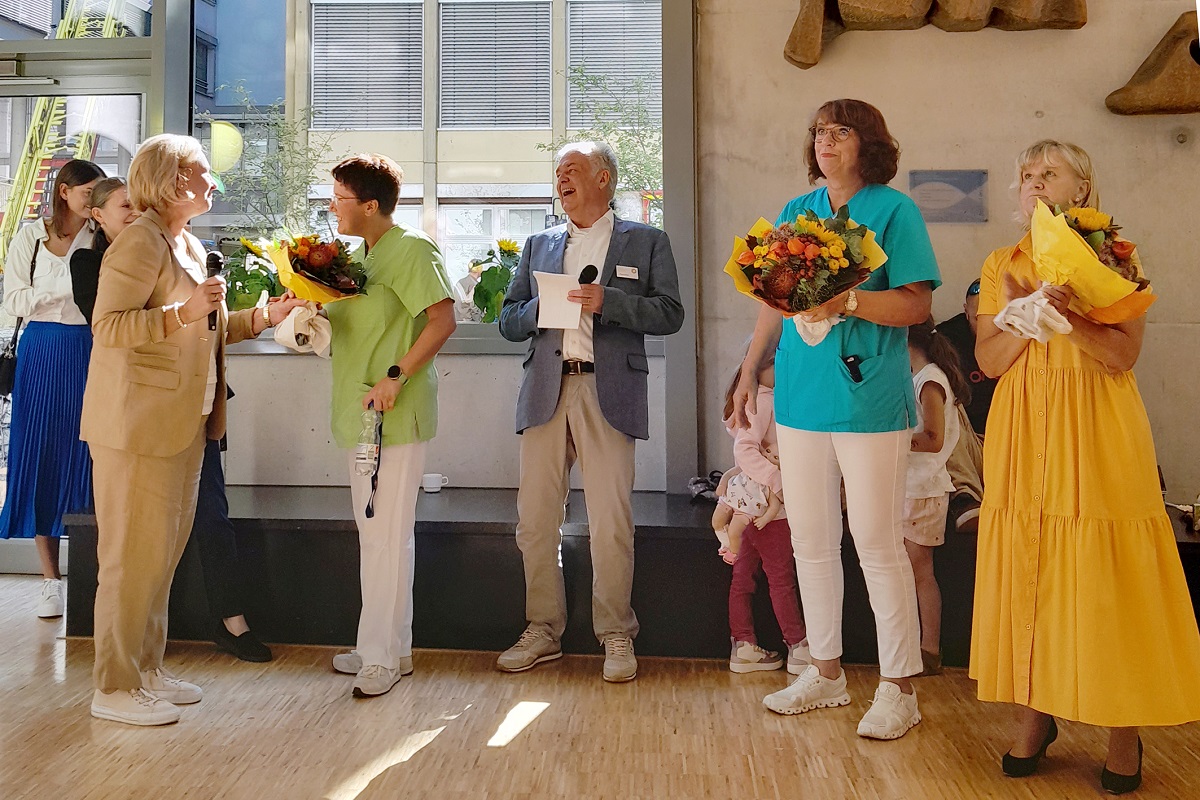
(178, 318)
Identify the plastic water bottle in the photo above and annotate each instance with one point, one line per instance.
(370, 437)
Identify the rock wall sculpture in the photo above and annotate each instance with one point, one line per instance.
(1168, 81)
(821, 21)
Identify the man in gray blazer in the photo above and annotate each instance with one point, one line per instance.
(583, 398)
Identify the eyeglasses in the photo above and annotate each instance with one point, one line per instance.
(839, 133)
(337, 199)
(973, 289)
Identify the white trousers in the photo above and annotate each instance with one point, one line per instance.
(873, 465)
(387, 550)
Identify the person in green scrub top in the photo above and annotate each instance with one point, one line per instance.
(382, 349)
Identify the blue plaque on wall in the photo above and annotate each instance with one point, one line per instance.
(950, 195)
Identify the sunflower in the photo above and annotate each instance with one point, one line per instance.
(507, 246)
(1089, 219)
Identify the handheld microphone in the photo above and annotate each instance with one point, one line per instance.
(588, 274)
(214, 265)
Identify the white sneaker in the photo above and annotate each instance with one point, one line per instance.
(374, 680)
(348, 663)
(166, 686)
(351, 663)
(137, 707)
(809, 691)
(891, 714)
(798, 657)
(51, 603)
(749, 657)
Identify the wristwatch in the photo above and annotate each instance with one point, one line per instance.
(395, 373)
(851, 302)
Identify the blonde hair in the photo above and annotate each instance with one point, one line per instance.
(159, 171)
(1071, 155)
(104, 190)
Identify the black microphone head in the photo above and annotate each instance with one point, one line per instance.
(215, 263)
(588, 274)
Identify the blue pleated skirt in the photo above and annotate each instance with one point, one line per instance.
(49, 469)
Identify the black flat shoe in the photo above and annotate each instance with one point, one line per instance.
(1116, 783)
(247, 647)
(1024, 767)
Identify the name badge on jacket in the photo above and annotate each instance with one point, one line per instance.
(627, 272)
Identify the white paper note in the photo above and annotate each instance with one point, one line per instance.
(554, 309)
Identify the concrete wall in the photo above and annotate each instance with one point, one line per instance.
(954, 101)
(279, 422)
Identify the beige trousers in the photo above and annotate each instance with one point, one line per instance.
(579, 432)
(144, 511)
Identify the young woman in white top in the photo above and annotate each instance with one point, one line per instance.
(49, 469)
(938, 384)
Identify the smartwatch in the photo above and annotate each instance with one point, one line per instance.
(395, 373)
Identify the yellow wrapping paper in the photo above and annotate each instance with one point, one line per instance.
(302, 287)
(1062, 257)
(873, 258)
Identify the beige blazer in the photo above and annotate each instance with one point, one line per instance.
(145, 390)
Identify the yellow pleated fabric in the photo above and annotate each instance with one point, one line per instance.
(1081, 607)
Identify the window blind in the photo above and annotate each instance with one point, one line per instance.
(367, 65)
(495, 65)
(621, 42)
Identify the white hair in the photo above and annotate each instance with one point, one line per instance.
(599, 154)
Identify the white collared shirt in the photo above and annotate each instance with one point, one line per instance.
(50, 298)
(585, 246)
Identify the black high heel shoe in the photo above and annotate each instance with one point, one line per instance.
(1116, 783)
(1024, 767)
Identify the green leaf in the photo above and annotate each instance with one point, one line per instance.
(1096, 240)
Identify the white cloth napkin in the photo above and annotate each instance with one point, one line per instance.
(305, 331)
(1032, 317)
(813, 333)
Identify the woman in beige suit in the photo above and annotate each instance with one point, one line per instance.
(155, 394)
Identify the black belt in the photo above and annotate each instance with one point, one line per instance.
(578, 367)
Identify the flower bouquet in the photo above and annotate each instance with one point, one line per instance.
(1080, 248)
(798, 266)
(321, 272)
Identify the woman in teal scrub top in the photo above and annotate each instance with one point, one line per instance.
(844, 408)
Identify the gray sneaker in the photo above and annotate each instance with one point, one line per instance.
(749, 657)
(531, 649)
(374, 680)
(351, 663)
(620, 665)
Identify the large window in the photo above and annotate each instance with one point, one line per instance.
(495, 64)
(367, 65)
(467, 232)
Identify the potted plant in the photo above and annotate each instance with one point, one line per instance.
(499, 267)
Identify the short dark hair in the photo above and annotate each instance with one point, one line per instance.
(878, 152)
(75, 172)
(371, 176)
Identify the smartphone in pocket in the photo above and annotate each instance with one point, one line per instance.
(852, 363)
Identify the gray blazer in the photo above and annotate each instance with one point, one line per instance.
(633, 308)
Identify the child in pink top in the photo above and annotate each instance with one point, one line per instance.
(765, 540)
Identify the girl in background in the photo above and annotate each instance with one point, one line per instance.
(765, 543)
(49, 469)
(938, 384)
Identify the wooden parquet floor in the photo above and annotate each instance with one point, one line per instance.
(684, 729)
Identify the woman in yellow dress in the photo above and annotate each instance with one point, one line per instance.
(1081, 608)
